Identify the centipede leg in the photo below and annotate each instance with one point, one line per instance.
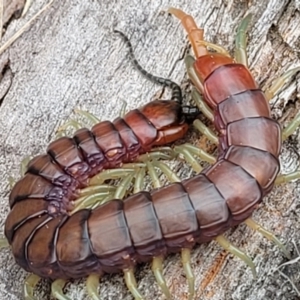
(89, 116)
(157, 269)
(287, 131)
(123, 109)
(29, 285)
(154, 177)
(57, 289)
(269, 235)
(131, 284)
(291, 127)
(92, 284)
(172, 177)
(186, 261)
(189, 64)
(61, 131)
(283, 178)
(199, 152)
(236, 251)
(241, 41)
(189, 158)
(123, 187)
(110, 174)
(188, 150)
(206, 131)
(215, 47)
(3, 243)
(280, 82)
(139, 180)
(201, 104)
(90, 200)
(203, 107)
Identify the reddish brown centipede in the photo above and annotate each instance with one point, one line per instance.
(69, 162)
(116, 235)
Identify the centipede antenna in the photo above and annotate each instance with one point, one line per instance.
(92, 284)
(269, 235)
(89, 116)
(29, 285)
(176, 90)
(291, 127)
(206, 131)
(236, 251)
(186, 262)
(131, 284)
(283, 178)
(201, 104)
(57, 289)
(157, 269)
(241, 41)
(280, 82)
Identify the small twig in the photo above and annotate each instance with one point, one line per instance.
(26, 7)
(293, 261)
(297, 250)
(1, 18)
(24, 28)
(290, 262)
(290, 281)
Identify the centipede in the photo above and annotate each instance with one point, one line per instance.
(50, 242)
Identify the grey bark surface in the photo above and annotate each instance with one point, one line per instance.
(70, 58)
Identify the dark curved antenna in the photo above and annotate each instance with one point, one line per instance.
(176, 90)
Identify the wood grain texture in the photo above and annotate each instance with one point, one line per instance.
(70, 58)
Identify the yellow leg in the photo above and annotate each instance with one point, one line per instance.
(269, 235)
(186, 261)
(157, 268)
(241, 41)
(131, 284)
(57, 289)
(236, 251)
(92, 284)
(29, 285)
(280, 82)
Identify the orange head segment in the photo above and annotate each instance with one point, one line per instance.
(194, 33)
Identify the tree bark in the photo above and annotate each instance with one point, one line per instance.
(70, 58)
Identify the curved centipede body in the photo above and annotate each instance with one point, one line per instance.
(117, 235)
